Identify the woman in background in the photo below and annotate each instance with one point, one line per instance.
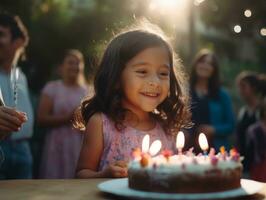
(211, 106)
(58, 102)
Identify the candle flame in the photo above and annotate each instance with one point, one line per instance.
(155, 147)
(145, 143)
(203, 142)
(180, 140)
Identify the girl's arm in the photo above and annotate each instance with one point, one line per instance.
(45, 116)
(91, 152)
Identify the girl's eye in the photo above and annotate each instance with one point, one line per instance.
(141, 72)
(164, 73)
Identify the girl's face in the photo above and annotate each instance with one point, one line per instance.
(71, 67)
(145, 80)
(204, 68)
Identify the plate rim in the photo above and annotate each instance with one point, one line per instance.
(141, 194)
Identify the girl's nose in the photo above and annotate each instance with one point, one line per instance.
(154, 81)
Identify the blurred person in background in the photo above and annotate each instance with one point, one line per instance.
(256, 138)
(58, 101)
(17, 162)
(248, 85)
(211, 106)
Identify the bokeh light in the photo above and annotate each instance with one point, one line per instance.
(263, 31)
(198, 2)
(237, 28)
(248, 13)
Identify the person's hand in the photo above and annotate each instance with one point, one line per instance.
(116, 170)
(11, 120)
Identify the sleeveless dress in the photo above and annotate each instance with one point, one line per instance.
(62, 143)
(118, 145)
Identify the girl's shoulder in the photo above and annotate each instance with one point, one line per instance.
(96, 118)
(94, 126)
(99, 119)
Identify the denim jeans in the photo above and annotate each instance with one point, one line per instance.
(17, 163)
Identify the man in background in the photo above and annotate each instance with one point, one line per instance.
(15, 118)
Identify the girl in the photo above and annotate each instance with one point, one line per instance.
(58, 101)
(137, 92)
(212, 111)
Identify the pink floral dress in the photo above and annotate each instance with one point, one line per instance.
(63, 143)
(118, 145)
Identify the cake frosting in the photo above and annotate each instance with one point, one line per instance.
(186, 173)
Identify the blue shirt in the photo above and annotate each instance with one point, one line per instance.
(23, 102)
(221, 118)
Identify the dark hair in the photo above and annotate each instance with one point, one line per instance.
(17, 28)
(214, 81)
(173, 112)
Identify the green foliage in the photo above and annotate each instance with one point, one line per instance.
(55, 25)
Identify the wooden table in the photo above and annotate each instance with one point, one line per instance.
(72, 189)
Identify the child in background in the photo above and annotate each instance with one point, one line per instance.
(58, 102)
(256, 139)
(249, 88)
(139, 89)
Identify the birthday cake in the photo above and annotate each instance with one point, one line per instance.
(186, 172)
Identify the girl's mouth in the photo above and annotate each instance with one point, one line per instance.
(150, 94)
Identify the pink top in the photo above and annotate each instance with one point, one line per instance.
(118, 145)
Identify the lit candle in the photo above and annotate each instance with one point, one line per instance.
(180, 141)
(145, 143)
(148, 151)
(155, 147)
(203, 143)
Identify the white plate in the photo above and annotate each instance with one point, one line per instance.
(120, 187)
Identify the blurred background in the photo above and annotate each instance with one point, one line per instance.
(234, 29)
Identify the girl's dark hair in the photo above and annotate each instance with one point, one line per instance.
(17, 28)
(173, 112)
(214, 81)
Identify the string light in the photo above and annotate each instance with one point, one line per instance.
(237, 28)
(248, 13)
(263, 31)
